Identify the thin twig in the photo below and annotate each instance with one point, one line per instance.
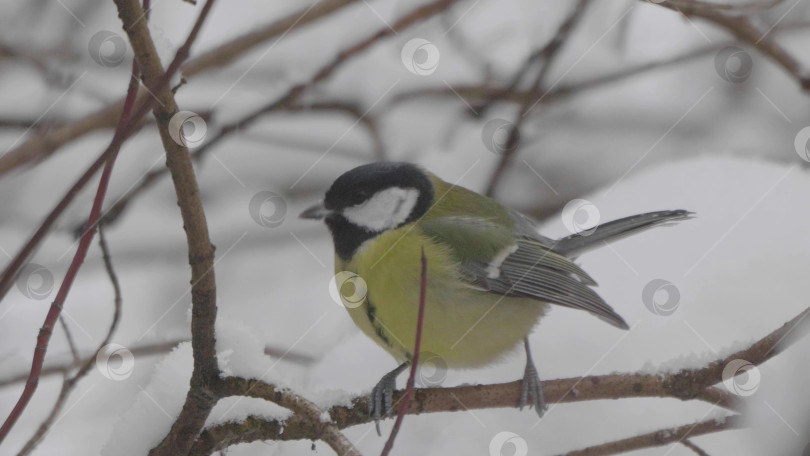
(55, 310)
(74, 351)
(564, 91)
(158, 348)
(547, 54)
(662, 437)
(698, 450)
(40, 146)
(413, 17)
(69, 384)
(290, 100)
(417, 346)
(744, 30)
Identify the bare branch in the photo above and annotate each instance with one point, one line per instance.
(69, 384)
(687, 384)
(662, 437)
(698, 451)
(45, 332)
(744, 30)
(290, 100)
(547, 54)
(231, 50)
(69, 337)
(311, 416)
(199, 400)
(40, 146)
(62, 365)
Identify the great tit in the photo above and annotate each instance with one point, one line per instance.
(490, 274)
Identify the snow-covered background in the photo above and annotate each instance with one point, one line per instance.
(680, 137)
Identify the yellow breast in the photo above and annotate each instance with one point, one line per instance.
(463, 326)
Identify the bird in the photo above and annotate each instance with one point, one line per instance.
(491, 275)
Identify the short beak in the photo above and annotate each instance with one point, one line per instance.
(315, 212)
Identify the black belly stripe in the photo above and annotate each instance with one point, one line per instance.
(372, 318)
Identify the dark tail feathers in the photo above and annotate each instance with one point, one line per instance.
(576, 244)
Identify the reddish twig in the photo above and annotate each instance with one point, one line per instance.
(125, 129)
(70, 383)
(55, 310)
(417, 345)
(126, 126)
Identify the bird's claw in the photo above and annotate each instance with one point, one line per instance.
(381, 398)
(532, 389)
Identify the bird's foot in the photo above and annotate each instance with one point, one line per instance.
(381, 398)
(531, 392)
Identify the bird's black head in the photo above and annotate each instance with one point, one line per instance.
(372, 199)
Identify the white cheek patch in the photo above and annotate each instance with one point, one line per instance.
(385, 210)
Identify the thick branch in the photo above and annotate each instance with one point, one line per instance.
(309, 413)
(684, 385)
(200, 399)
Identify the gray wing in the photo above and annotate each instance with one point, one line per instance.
(533, 270)
(528, 268)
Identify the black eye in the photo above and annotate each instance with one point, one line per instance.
(358, 198)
